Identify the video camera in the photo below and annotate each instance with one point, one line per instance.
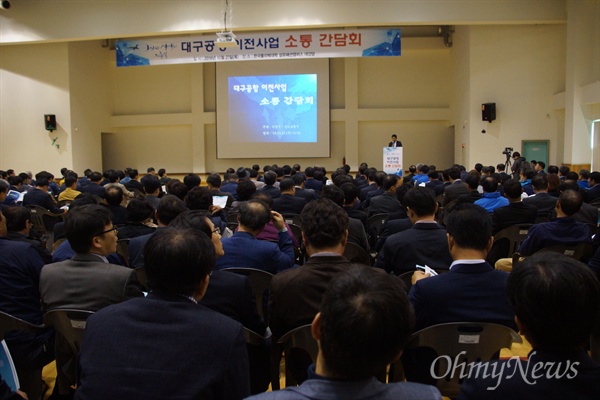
(508, 151)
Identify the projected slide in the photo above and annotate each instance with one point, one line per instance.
(274, 108)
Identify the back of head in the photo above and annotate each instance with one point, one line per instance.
(351, 192)
(70, 180)
(4, 185)
(570, 202)
(16, 218)
(557, 300)
(195, 219)
(270, 177)
(309, 172)
(553, 169)
(177, 260)
(323, 223)
(168, 208)
(470, 226)
(199, 198)
(563, 170)
(366, 319)
(286, 185)
(298, 179)
(214, 180)
(334, 194)
(151, 184)
(191, 180)
(133, 173)
(421, 201)
(390, 181)
(472, 180)
(83, 223)
(139, 211)
(424, 169)
(490, 184)
(513, 189)
(95, 177)
(114, 195)
(245, 189)
(539, 182)
(254, 214)
(379, 178)
(179, 190)
(268, 200)
(478, 167)
(454, 173)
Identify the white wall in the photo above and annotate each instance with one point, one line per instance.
(34, 80)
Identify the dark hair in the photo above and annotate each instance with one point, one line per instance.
(572, 175)
(199, 198)
(195, 219)
(161, 172)
(133, 173)
(421, 200)
(309, 172)
(4, 185)
(424, 169)
(177, 260)
(14, 180)
(113, 195)
(595, 176)
(95, 176)
(470, 226)
(84, 223)
(16, 218)
(539, 182)
(516, 154)
(557, 299)
(478, 167)
(390, 181)
(379, 177)
(254, 214)
(168, 208)
(541, 164)
(286, 184)
(553, 181)
(500, 167)
(323, 223)
(191, 181)
(214, 180)
(553, 169)
(454, 173)
(70, 180)
(151, 184)
(138, 210)
(472, 179)
(513, 189)
(270, 177)
(489, 184)
(268, 200)
(564, 170)
(433, 174)
(570, 202)
(179, 190)
(366, 319)
(334, 194)
(351, 192)
(245, 189)
(298, 179)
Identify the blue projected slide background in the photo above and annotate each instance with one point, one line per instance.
(273, 108)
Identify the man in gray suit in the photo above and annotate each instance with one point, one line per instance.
(87, 281)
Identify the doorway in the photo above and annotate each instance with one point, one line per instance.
(535, 150)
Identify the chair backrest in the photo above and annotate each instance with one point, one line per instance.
(577, 251)
(70, 323)
(138, 193)
(295, 342)
(356, 254)
(123, 250)
(508, 241)
(11, 323)
(462, 343)
(374, 227)
(292, 219)
(260, 282)
(233, 217)
(297, 232)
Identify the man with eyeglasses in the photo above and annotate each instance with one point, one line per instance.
(87, 281)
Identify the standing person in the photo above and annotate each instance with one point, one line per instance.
(395, 142)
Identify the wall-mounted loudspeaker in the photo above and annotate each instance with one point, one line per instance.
(488, 112)
(50, 122)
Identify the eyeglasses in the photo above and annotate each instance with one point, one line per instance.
(114, 228)
(217, 231)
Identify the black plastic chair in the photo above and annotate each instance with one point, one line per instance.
(299, 347)
(356, 254)
(260, 282)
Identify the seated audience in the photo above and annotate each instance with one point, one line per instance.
(356, 230)
(556, 300)
(18, 224)
(516, 212)
(243, 250)
(288, 203)
(139, 220)
(491, 198)
(114, 201)
(70, 191)
(270, 188)
(364, 322)
(94, 187)
(166, 345)
(594, 192)
(472, 290)
(153, 190)
(541, 199)
(39, 196)
(387, 202)
(424, 243)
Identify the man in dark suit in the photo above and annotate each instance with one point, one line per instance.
(435, 183)
(423, 244)
(39, 196)
(541, 200)
(395, 142)
(18, 225)
(593, 193)
(351, 203)
(301, 191)
(270, 188)
(456, 186)
(182, 349)
(213, 181)
(288, 202)
(553, 297)
(473, 290)
(87, 281)
(372, 185)
(94, 186)
(133, 183)
(387, 202)
(379, 177)
(516, 212)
